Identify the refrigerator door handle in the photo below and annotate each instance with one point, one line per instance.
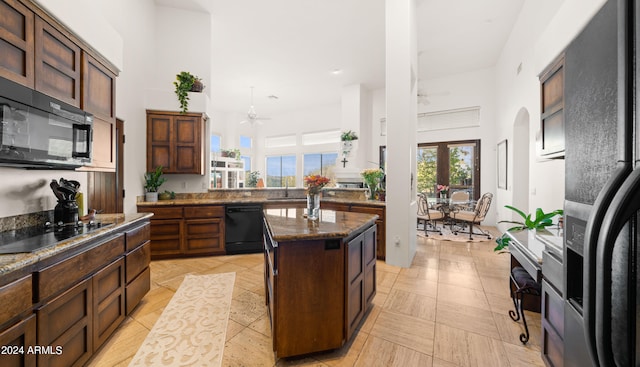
(625, 204)
(592, 231)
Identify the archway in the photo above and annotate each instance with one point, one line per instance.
(520, 162)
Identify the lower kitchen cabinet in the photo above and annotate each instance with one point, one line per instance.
(108, 301)
(178, 231)
(67, 322)
(361, 277)
(381, 242)
(16, 338)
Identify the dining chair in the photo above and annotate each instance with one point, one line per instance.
(428, 216)
(475, 216)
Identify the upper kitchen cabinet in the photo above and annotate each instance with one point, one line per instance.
(175, 141)
(57, 64)
(550, 142)
(99, 99)
(16, 42)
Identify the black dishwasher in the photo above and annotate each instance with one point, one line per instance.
(243, 229)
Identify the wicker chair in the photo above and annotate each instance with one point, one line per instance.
(428, 216)
(475, 216)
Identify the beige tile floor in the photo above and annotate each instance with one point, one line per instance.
(448, 309)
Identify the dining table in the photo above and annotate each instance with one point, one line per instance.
(448, 207)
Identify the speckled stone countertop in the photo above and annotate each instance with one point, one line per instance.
(262, 196)
(290, 224)
(13, 262)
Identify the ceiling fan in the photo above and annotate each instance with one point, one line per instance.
(252, 115)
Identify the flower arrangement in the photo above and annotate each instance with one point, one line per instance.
(315, 183)
(442, 188)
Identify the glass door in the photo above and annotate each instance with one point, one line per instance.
(454, 164)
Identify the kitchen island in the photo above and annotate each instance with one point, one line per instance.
(320, 277)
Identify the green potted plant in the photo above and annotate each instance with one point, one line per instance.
(348, 136)
(231, 153)
(186, 82)
(252, 178)
(541, 221)
(152, 181)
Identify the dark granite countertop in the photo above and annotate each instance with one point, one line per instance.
(290, 224)
(13, 262)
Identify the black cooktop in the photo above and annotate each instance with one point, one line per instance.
(34, 238)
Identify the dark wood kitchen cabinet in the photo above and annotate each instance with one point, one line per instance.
(363, 207)
(99, 98)
(180, 231)
(17, 322)
(361, 277)
(57, 63)
(17, 42)
(137, 260)
(175, 141)
(550, 142)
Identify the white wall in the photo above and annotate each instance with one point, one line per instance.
(535, 42)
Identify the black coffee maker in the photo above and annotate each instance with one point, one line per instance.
(66, 211)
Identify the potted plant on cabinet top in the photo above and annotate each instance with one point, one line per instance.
(347, 138)
(541, 221)
(152, 181)
(186, 82)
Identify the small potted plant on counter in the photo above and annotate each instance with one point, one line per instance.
(252, 178)
(541, 221)
(152, 181)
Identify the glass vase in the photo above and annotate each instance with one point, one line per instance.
(313, 206)
(371, 193)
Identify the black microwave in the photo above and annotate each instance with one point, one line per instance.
(39, 131)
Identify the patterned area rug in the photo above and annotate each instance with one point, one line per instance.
(192, 328)
(447, 235)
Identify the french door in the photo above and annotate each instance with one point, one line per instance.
(452, 163)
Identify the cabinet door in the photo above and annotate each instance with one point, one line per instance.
(57, 64)
(166, 237)
(355, 283)
(204, 236)
(16, 42)
(98, 98)
(188, 145)
(108, 301)
(21, 335)
(67, 322)
(159, 133)
(370, 239)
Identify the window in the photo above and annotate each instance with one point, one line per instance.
(247, 163)
(323, 137)
(215, 143)
(280, 141)
(281, 171)
(245, 142)
(455, 164)
(320, 164)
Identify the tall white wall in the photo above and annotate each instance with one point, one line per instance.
(537, 39)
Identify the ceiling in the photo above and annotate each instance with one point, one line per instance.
(290, 48)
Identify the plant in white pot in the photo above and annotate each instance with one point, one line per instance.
(541, 221)
(152, 181)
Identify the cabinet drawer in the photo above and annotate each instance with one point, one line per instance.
(205, 245)
(22, 334)
(552, 271)
(552, 348)
(137, 260)
(552, 309)
(138, 236)
(137, 289)
(203, 227)
(162, 213)
(62, 275)
(16, 297)
(165, 229)
(203, 211)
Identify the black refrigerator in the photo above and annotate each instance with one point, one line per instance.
(602, 190)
